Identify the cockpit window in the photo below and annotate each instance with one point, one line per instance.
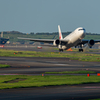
(82, 29)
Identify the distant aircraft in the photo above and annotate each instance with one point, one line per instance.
(3, 40)
(73, 39)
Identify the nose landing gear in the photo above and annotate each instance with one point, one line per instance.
(80, 50)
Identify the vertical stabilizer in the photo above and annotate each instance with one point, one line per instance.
(60, 34)
(2, 34)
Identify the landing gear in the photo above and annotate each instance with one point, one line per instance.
(80, 50)
(61, 50)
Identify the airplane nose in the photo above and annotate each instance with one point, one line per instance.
(84, 32)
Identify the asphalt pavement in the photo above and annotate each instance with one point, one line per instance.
(38, 65)
(74, 92)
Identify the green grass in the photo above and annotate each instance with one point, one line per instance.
(4, 66)
(40, 81)
(94, 99)
(72, 56)
(71, 72)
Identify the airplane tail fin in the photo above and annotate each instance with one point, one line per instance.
(60, 34)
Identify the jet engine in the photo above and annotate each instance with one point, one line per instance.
(91, 43)
(56, 42)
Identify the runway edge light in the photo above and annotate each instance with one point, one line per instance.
(88, 75)
(98, 74)
(42, 74)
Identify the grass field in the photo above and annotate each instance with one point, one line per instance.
(94, 99)
(73, 56)
(71, 72)
(21, 81)
(4, 66)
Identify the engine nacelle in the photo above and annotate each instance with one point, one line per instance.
(91, 43)
(56, 42)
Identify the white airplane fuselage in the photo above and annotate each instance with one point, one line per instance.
(74, 38)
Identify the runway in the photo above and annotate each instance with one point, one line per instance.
(38, 65)
(74, 92)
(33, 65)
(28, 47)
(21, 47)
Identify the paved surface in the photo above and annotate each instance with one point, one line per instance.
(30, 47)
(37, 65)
(75, 92)
(32, 65)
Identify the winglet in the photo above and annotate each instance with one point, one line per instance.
(60, 34)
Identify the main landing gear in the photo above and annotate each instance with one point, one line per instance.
(61, 50)
(81, 50)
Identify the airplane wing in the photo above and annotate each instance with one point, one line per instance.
(91, 42)
(86, 41)
(83, 42)
(60, 41)
(38, 40)
(96, 41)
(63, 41)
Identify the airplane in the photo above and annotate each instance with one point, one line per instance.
(74, 39)
(3, 40)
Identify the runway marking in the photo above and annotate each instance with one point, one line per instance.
(96, 65)
(61, 64)
(10, 74)
(94, 87)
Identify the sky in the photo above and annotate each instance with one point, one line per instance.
(45, 15)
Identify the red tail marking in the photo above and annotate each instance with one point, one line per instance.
(60, 36)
